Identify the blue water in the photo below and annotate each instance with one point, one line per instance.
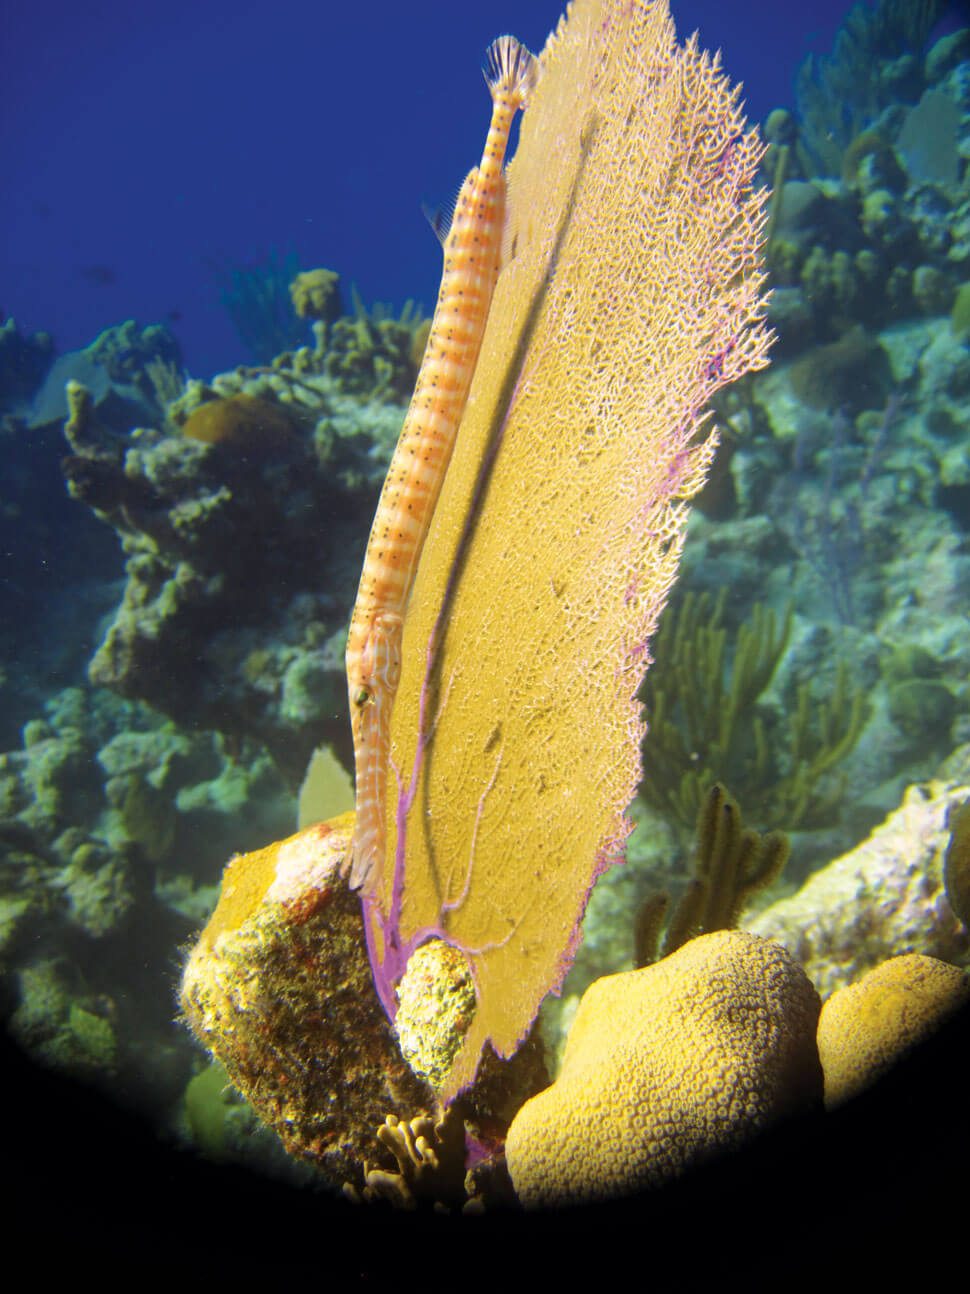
(142, 146)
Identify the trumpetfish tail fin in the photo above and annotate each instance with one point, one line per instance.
(510, 69)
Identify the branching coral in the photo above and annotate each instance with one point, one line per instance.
(316, 294)
(430, 1156)
(373, 353)
(731, 862)
(257, 299)
(704, 726)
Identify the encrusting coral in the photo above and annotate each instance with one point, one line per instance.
(864, 1028)
(241, 421)
(436, 1002)
(667, 1066)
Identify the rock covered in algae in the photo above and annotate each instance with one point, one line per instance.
(667, 1066)
(866, 1027)
(885, 896)
(279, 988)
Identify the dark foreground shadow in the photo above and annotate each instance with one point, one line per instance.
(882, 1184)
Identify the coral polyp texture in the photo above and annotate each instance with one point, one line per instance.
(866, 1027)
(279, 988)
(667, 1066)
(634, 293)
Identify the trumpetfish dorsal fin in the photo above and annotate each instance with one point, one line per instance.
(472, 258)
(440, 218)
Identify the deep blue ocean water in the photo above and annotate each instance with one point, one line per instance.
(142, 146)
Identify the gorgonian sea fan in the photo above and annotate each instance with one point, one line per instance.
(633, 291)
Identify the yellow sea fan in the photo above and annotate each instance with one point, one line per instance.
(631, 293)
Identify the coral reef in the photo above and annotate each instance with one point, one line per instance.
(866, 1027)
(841, 488)
(108, 820)
(57, 565)
(667, 1066)
(870, 215)
(252, 630)
(203, 584)
(874, 65)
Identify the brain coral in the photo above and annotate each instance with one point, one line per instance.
(667, 1065)
(866, 1027)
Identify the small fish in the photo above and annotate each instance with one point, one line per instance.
(103, 275)
(472, 254)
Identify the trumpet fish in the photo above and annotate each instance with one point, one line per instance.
(472, 260)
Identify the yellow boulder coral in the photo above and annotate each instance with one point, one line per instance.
(866, 1027)
(668, 1065)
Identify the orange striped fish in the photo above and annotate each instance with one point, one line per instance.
(472, 252)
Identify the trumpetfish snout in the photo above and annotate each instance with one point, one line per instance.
(472, 256)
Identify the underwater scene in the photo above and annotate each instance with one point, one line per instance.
(484, 709)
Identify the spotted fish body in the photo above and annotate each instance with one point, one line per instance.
(472, 252)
